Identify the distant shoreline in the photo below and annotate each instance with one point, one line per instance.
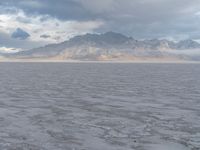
(103, 62)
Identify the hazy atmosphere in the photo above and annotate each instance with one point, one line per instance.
(26, 24)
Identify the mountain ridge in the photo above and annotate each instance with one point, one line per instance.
(110, 46)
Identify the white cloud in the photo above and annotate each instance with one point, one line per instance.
(9, 50)
(36, 26)
(59, 20)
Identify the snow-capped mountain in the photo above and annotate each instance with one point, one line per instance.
(111, 46)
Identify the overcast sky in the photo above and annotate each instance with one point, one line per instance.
(25, 24)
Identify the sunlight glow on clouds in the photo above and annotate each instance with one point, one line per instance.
(50, 21)
(8, 50)
(55, 30)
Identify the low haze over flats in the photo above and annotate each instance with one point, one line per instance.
(27, 24)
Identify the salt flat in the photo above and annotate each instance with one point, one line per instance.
(95, 106)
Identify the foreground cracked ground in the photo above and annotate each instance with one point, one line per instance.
(60, 106)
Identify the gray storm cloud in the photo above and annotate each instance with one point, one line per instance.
(144, 18)
(20, 34)
(172, 19)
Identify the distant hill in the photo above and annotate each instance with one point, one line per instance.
(112, 46)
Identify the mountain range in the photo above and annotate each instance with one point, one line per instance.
(112, 46)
